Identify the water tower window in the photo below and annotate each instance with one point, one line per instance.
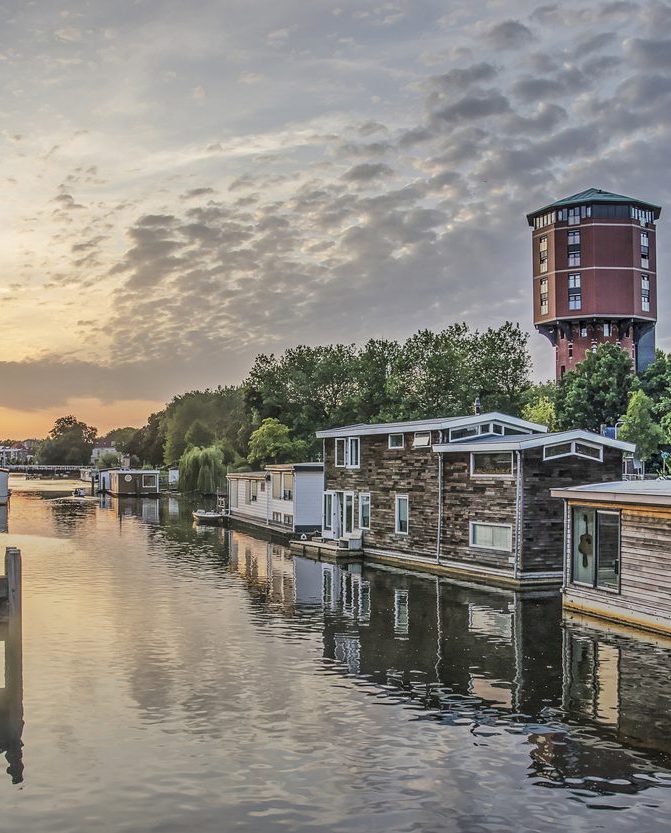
(574, 216)
(645, 250)
(574, 291)
(544, 296)
(645, 293)
(574, 248)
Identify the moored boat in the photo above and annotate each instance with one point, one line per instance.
(203, 516)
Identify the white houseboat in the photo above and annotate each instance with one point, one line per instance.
(285, 497)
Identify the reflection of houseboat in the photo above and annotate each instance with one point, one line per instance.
(464, 496)
(136, 482)
(618, 552)
(285, 498)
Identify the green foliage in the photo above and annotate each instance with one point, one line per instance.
(272, 443)
(541, 411)
(429, 375)
(202, 470)
(108, 460)
(147, 443)
(199, 435)
(69, 443)
(120, 437)
(596, 392)
(639, 426)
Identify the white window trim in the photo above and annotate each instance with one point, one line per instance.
(396, 447)
(472, 524)
(348, 452)
(146, 485)
(500, 476)
(364, 495)
(573, 452)
(421, 434)
(342, 440)
(396, 500)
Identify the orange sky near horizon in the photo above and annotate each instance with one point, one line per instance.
(22, 425)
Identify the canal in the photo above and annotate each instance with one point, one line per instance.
(181, 679)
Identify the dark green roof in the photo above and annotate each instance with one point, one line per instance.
(592, 195)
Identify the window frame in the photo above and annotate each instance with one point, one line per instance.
(471, 538)
(510, 476)
(364, 497)
(151, 485)
(343, 441)
(397, 499)
(417, 434)
(593, 585)
(396, 447)
(573, 452)
(351, 441)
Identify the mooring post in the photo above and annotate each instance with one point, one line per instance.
(13, 573)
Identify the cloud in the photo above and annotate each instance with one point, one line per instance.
(367, 171)
(508, 34)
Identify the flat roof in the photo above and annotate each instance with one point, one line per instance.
(428, 425)
(246, 475)
(655, 492)
(520, 442)
(294, 466)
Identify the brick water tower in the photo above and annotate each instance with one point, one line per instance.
(595, 275)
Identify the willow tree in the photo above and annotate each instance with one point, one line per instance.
(202, 470)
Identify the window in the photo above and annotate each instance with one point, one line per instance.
(263, 486)
(543, 253)
(277, 486)
(641, 215)
(402, 514)
(573, 216)
(576, 448)
(347, 452)
(401, 612)
(253, 492)
(233, 493)
(287, 486)
(570, 351)
(607, 330)
(645, 293)
(288, 520)
(574, 291)
(462, 433)
(364, 511)
(492, 464)
(596, 548)
(328, 511)
(422, 439)
(544, 296)
(645, 250)
(583, 332)
(148, 481)
(488, 536)
(396, 441)
(348, 512)
(573, 259)
(340, 458)
(277, 517)
(574, 248)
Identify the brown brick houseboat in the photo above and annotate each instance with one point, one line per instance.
(466, 496)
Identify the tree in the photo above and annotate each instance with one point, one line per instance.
(120, 438)
(202, 470)
(597, 392)
(272, 443)
(639, 426)
(541, 411)
(199, 435)
(148, 442)
(108, 460)
(69, 443)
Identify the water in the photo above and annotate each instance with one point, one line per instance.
(178, 679)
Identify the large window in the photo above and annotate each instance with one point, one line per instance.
(574, 291)
(364, 511)
(287, 486)
(492, 464)
(488, 536)
(645, 250)
(328, 511)
(340, 455)
(576, 448)
(543, 253)
(402, 514)
(353, 453)
(596, 548)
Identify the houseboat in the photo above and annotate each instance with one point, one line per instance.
(464, 496)
(285, 498)
(4, 487)
(617, 553)
(135, 482)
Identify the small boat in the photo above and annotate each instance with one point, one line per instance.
(202, 516)
(79, 492)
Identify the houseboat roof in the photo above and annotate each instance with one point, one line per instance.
(135, 471)
(655, 492)
(518, 443)
(428, 425)
(246, 475)
(295, 467)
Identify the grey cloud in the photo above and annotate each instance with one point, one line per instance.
(367, 171)
(459, 78)
(508, 34)
(197, 192)
(650, 53)
(473, 107)
(537, 89)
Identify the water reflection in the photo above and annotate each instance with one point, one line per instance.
(11, 694)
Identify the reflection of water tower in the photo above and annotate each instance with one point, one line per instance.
(595, 275)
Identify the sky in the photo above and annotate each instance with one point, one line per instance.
(186, 185)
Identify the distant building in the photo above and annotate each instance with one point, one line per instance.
(15, 454)
(595, 275)
(102, 448)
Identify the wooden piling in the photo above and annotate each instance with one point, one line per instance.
(13, 573)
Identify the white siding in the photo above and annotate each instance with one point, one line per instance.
(4, 487)
(308, 497)
(256, 509)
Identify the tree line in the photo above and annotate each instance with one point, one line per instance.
(274, 414)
